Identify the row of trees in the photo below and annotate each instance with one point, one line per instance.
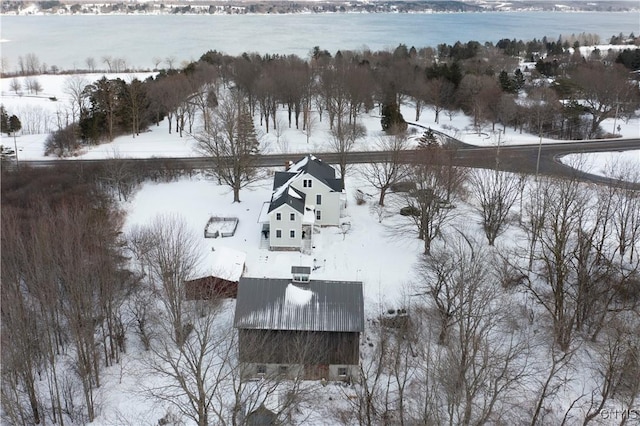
(482, 81)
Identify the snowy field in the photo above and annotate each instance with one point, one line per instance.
(375, 250)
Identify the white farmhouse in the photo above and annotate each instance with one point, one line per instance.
(306, 194)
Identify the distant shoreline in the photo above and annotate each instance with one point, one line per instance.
(277, 7)
(308, 13)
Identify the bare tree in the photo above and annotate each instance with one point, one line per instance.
(343, 138)
(605, 91)
(32, 64)
(310, 124)
(194, 366)
(21, 350)
(166, 94)
(384, 175)
(172, 258)
(429, 206)
(109, 62)
(15, 85)
(554, 379)
(170, 60)
(439, 95)
(563, 210)
(475, 93)
(614, 357)
(368, 403)
(496, 192)
(74, 88)
(232, 144)
(206, 381)
(469, 376)
(265, 95)
(135, 95)
(90, 62)
(626, 214)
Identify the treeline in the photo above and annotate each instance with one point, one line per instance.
(63, 282)
(563, 95)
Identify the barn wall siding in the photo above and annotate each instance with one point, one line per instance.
(298, 347)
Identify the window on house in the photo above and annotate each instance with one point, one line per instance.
(292, 216)
(282, 370)
(342, 371)
(292, 233)
(278, 233)
(318, 199)
(318, 215)
(306, 183)
(261, 369)
(278, 216)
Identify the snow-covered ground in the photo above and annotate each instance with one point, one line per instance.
(375, 250)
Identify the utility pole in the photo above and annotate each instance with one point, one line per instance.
(539, 151)
(498, 150)
(615, 118)
(15, 147)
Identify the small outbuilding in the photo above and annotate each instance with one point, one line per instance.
(227, 268)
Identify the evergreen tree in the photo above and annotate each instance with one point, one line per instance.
(518, 79)
(14, 124)
(4, 120)
(392, 120)
(428, 139)
(630, 59)
(246, 134)
(506, 83)
(9, 124)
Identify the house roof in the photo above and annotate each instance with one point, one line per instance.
(278, 304)
(313, 166)
(288, 195)
(228, 263)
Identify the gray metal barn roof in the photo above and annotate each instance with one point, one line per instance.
(278, 304)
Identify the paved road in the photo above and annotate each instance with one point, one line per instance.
(513, 158)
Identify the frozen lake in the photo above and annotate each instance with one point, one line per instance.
(66, 41)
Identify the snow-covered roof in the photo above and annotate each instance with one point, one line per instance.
(228, 263)
(279, 304)
(289, 195)
(312, 166)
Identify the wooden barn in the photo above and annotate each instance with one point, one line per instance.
(308, 329)
(228, 266)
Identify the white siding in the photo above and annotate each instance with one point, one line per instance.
(286, 225)
(330, 206)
